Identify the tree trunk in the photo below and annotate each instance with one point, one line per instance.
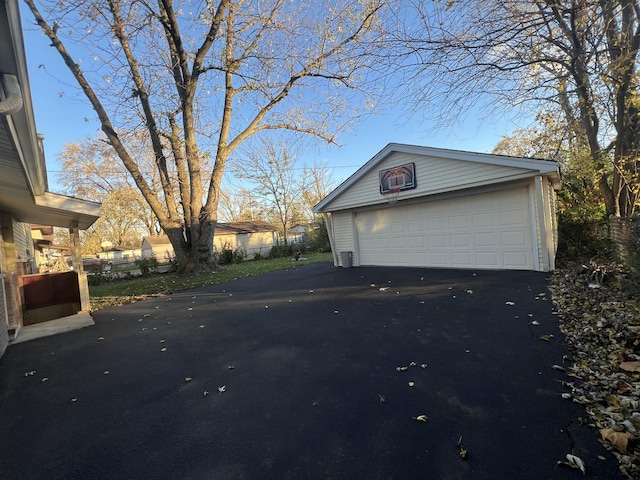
(202, 246)
(180, 248)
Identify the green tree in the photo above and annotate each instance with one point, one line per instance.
(579, 201)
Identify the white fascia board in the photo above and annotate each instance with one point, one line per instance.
(70, 204)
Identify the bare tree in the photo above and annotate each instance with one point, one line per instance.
(318, 184)
(575, 57)
(277, 182)
(204, 78)
(238, 205)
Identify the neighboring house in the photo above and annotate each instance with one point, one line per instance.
(298, 233)
(412, 206)
(25, 199)
(157, 246)
(255, 237)
(42, 236)
(120, 254)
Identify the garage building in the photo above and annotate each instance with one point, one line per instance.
(412, 206)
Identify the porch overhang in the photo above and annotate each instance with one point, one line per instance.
(23, 180)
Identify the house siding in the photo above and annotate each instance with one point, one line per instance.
(433, 175)
(4, 327)
(4, 320)
(257, 243)
(343, 234)
(23, 242)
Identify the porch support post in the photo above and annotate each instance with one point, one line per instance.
(76, 261)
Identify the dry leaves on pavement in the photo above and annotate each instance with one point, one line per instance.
(602, 329)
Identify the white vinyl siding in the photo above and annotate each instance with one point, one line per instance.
(343, 234)
(433, 175)
(487, 230)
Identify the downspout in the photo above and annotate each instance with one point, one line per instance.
(327, 222)
(543, 225)
(12, 102)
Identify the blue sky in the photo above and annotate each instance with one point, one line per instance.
(64, 116)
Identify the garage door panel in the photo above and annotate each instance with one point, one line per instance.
(483, 220)
(398, 243)
(398, 226)
(436, 241)
(487, 259)
(516, 238)
(513, 218)
(416, 241)
(490, 230)
(415, 226)
(459, 221)
(435, 224)
(438, 259)
(514, 259)
(460, 240)
(461, 258)
(487, 239)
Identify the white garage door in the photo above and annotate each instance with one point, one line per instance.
(489, 230)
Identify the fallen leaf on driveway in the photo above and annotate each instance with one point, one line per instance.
(620, 440)
(633, 366)
(463, 451)
(574, 462)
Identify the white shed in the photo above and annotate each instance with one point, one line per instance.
(412, 206)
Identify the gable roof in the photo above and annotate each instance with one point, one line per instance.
(541, 167)
(232, 228)
(254, 226)
(154, 240)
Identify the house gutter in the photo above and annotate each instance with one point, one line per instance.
(12, 102)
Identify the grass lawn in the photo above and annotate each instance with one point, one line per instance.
(132, 290)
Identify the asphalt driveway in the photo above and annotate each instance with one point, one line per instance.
(314, 372)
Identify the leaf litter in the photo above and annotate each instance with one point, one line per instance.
(602, 330)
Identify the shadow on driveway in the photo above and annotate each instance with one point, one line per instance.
(308, 358)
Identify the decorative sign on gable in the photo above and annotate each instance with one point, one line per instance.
(398, 178)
